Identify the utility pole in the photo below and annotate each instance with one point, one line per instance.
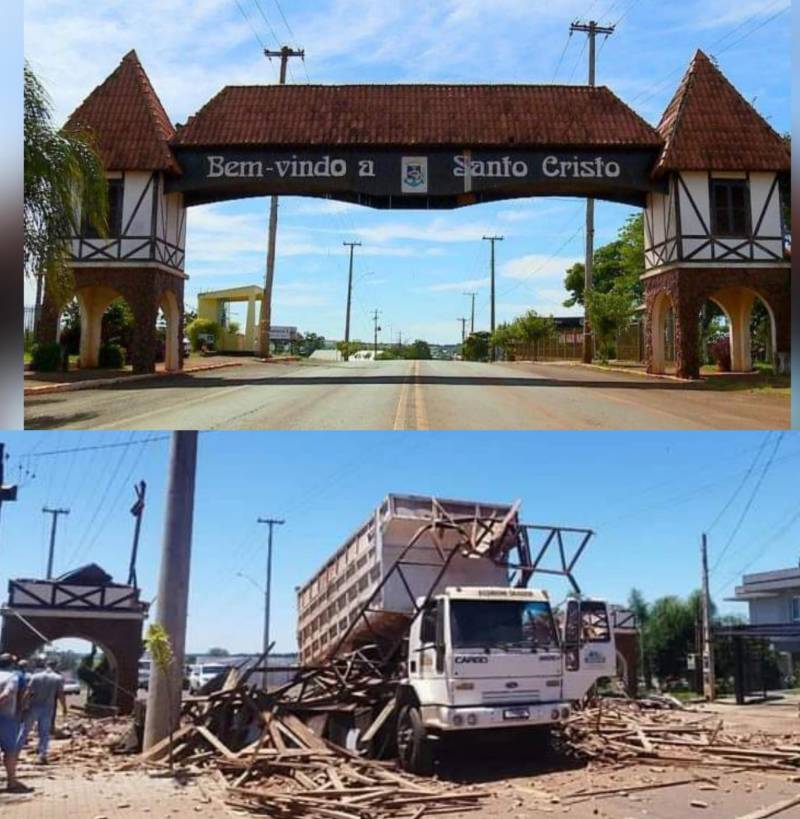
(709, 680)
(136, 510)
(492, 239)
(375, 314)
(351, 245)
(7, 493)
(53, 526)
(472, 294)
(463, 330)
(164, 690)
(400, 338)
(591, 29)
(272, 523)
(265, 319)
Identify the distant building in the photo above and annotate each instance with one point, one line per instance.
(773, 599)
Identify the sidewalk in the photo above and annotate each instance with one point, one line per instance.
(43, 383)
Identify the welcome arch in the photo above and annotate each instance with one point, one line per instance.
(448, 146)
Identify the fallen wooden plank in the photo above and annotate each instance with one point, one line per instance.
(216, 743)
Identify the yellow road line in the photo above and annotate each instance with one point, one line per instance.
(419, 404)
(402, 403)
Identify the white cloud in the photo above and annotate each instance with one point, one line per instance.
(537, 266)
(462, 285)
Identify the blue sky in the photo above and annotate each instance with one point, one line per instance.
(647, 495)
(420, 263)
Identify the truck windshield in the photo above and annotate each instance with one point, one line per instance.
(526, 624)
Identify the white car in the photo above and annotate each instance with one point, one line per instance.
(187, 347)
(201, 674)
(71, 686)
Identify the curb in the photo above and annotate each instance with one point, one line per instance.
(45, 389)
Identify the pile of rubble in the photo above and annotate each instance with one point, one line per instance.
(618, 730)
(267, 760)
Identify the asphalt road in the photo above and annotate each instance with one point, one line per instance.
(406, 395)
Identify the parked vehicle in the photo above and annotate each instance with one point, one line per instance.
(187, 347)
(475, 654)
(204, 673)
(71, 686)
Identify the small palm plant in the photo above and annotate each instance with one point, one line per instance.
(158, 644)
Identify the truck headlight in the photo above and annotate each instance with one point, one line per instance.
(555, 714)
(564, 713)
(472, 719)
(458, 719)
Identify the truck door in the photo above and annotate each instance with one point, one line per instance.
(423, 659)
(589, 651)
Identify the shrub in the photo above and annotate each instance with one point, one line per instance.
(46, 357)
(720, 351)
(111, 356)
(202, 327)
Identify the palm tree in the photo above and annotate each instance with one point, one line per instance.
(63, 177)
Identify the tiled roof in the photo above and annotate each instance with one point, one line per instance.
(709, 125)
(425, 115)
(128, 122)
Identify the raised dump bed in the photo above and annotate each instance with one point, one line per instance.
(335, 596)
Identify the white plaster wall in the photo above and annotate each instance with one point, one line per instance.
(135, 183)
(697, 184)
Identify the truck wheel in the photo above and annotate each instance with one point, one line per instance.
(413, 746)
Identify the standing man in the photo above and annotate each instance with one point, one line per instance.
(45, 686)
(9, 723)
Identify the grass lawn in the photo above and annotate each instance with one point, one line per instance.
(761, 381)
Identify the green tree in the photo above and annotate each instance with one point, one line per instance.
(669, 637)
(309, 343)
(620, 262)
(351, 347)
(532, 328)
(609, 314)
(638, 605)
(476, 347)
(200, 328)
(418, 349)
(217, 651)
(506, 338)
(63, 177)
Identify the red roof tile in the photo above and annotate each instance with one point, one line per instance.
(708, 125)
(425, 115)
(128, 122)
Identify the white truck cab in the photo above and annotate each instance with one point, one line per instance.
(483, 658)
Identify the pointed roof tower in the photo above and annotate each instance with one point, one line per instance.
(128, 122)
(708, 125)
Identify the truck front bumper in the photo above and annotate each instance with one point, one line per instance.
(469, 717)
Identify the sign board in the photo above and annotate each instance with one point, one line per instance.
(278, 333)
(413, 179)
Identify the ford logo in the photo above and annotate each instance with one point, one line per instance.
(512, 685)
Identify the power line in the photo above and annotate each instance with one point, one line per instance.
(244, 14)
(750, 500)
(266, 20)
(753, 30)
(152, 439)
(741, 484)
(561, 58)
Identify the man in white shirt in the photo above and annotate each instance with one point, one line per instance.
(45, 686)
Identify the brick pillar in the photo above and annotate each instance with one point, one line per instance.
(687, 332)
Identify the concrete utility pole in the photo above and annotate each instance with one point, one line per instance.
(351, 245)
(265, 319)
(53, 526)
(164, 690)
(375, 314)
(272, 523)
(137, 510)
(591, 29)
(472, 294)
(463, 330)
(709, 679)
(492, 239)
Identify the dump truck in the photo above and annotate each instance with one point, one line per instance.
(435, 596)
